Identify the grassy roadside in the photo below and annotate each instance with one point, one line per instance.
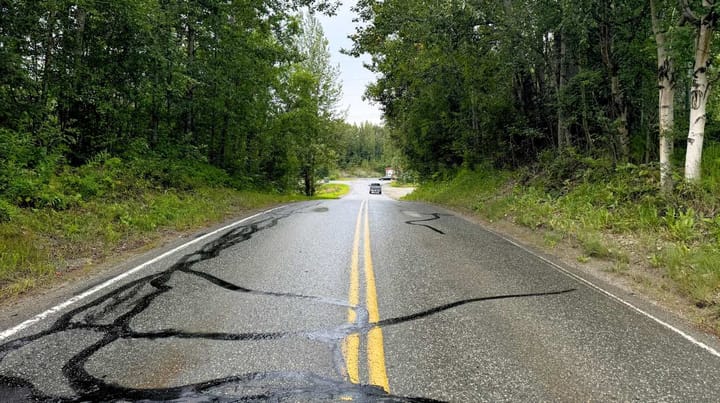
(332, 191)
(55, 225)
(39, 246)
(609, 214)
(398, 184)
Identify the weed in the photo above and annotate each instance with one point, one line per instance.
(593, 245)
(619, 267)
(552, 238)
(646, 214)
(656, 260)
(681, 225)
(7, 211)
(533, 210)
(20, 255)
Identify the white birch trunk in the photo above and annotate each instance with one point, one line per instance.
(667, 125)
(666, 96)
(698, 100)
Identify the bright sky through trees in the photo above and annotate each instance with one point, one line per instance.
(353, 75)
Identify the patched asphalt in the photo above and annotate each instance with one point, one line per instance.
(260, 312)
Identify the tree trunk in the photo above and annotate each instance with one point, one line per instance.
(74, 99)
(618, 110)
(309, 180)
(666, 96)
(698, 98)
(562, 127)
(475, 123)
(189, 117)
(585, 124)
(48, 59)
(623, 134)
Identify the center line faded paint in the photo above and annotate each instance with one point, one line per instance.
(377, 373)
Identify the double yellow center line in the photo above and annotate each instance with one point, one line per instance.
(377, 374)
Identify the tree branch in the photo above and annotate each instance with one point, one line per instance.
(688, 15)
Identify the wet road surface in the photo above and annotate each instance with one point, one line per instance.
(363, 299)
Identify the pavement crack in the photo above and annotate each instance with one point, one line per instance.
(110, 316)
(434, 216)
(120, 306)
(441, 308)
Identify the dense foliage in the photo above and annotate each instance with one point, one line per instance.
(202, 81)
(463, 82)
(367, 149)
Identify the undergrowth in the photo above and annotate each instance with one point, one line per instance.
(608, 213)
(332, 191)
(55, 218)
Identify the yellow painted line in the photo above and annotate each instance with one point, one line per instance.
(351, 344)
(375, 348)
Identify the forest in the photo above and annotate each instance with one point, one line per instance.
(123, 120)
(463, 82)
(245, 87)
(584, 118)
(594, 123)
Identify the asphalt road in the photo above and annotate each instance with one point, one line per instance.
(365, 299)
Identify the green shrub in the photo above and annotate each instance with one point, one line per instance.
(681, 225)
(557, 173)
(16, 155)
(181, 174)
(7, 211)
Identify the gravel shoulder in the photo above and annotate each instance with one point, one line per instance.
(397, 192)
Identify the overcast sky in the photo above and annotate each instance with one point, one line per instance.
(353, 76)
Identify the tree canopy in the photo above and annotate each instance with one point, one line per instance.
(205, 80)
(461, 82)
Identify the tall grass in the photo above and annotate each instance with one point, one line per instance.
(332, 191)
(467, 189)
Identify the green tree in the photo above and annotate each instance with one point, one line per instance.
(464, 82)
(182, 79)
(312, 98)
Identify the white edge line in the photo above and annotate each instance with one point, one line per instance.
(615, 297)
(37, 318)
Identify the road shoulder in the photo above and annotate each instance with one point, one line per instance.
(22, 307)
(644, 289)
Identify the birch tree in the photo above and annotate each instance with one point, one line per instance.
(705, 25)
(618, 110)
(666, 95)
